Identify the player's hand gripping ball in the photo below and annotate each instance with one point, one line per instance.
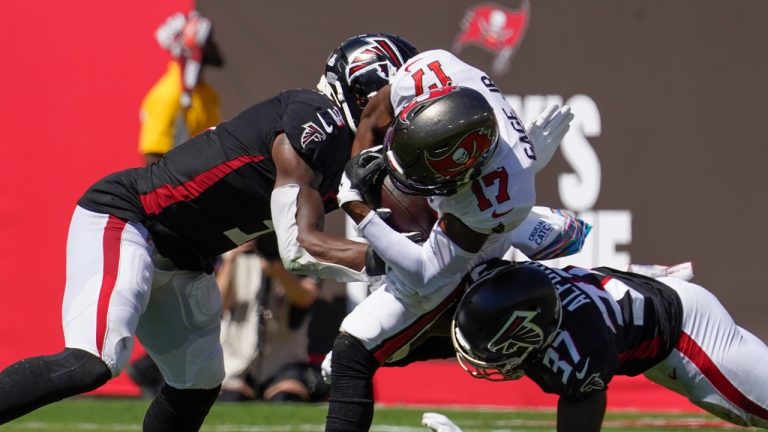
(361, 173)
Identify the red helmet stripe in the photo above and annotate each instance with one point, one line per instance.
(390, 51)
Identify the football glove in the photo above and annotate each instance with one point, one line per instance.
(548, 131)
(325, 368)
(439, 423)
(360, 174)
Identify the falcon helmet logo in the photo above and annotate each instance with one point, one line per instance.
(518, 337)
(496, 29)
(464, 155)
(378, 55)
(311, 132)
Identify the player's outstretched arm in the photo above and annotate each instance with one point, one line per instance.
(298, 215)
(549, 233)
(585, 415)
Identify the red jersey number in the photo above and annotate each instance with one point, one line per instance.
(501, 178)
(435, 69)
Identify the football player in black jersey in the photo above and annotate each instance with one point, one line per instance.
(158, 229)
(572, 330)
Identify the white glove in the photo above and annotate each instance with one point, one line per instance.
(439, 423)
(325, 368)
(547, 132)
(346, 192)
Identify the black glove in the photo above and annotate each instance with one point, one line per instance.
(361, 173)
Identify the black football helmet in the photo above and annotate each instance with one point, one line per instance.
(509, 313)
(440, 140)
(359, 67)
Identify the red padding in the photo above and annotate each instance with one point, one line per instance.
(446, 383)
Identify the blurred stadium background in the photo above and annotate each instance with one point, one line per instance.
(666, 156)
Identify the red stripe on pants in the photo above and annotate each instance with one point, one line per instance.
(693, 351)
(112, 235)
(395, 342)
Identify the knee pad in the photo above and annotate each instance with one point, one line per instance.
(179, 410)
(180, 329)
(199, 298)
(193, 295)
(199, 366)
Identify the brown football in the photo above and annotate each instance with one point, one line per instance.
(410, 213)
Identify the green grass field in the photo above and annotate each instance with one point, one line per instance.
(95, 414)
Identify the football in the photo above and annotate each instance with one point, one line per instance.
(410, 213)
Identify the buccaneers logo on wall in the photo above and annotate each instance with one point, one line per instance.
(496, 29)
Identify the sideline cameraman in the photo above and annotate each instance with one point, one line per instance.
(265, 327)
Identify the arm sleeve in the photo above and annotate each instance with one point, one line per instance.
(549, 233)
(428, 267)
(295, 258)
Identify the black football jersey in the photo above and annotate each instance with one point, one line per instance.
(212, 193)
(613, 323)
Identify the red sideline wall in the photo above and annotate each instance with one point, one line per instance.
(444, 383)
(73, 77)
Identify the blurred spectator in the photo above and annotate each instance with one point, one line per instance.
(180, 105)
(265, 327)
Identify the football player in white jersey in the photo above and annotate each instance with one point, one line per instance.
(452, 137)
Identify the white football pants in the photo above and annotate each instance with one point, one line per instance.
(114, 291)
(717, 365)
(394, 315)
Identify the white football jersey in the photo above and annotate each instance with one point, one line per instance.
(501, 197)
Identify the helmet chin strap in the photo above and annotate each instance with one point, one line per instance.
(324, 87)
(345, 107)
(333, 91)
